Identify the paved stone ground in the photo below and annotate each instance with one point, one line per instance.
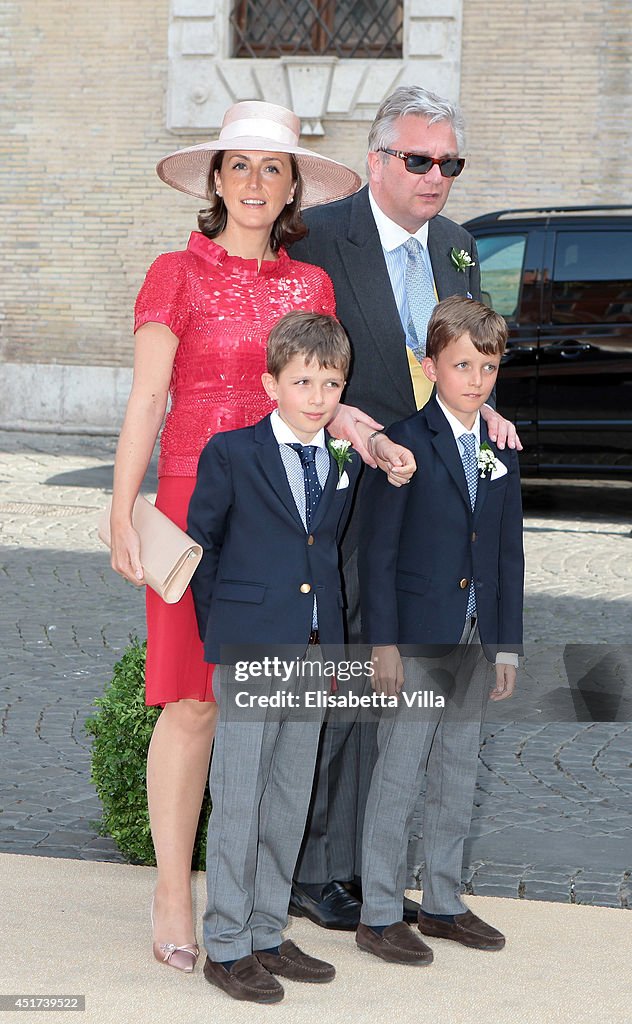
(553, 815)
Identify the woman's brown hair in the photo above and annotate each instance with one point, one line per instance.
(287, 228)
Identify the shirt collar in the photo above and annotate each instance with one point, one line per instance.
(457, 426)
(393, 235)
(285, 435)
(215, 254)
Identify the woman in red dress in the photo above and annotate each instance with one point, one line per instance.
(201, 321)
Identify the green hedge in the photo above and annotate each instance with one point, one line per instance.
(122, 728)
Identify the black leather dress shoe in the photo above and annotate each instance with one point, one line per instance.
(410, 909)
(336, 908)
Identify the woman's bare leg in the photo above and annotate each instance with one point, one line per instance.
(177, 770)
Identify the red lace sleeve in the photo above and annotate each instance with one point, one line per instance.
(325, 294)
(163, 297)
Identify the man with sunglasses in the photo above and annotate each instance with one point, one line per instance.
(391, 257)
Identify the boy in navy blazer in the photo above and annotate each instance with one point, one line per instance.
(269, 507)
(441, 575)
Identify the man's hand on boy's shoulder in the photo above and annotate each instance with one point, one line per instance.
(501, 431)
(388, 671)
(505, 682)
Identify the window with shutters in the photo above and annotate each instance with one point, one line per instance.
(326, 59)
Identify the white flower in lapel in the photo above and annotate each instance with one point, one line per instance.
(461, 259)
(339, 450)
(487, 461)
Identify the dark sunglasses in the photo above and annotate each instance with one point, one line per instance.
(449, 166)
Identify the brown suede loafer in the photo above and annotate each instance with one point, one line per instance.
(295, 965)
(468, 929)
(247, 979)
(398, 944)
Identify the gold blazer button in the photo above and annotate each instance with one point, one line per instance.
(305, 588)
(462, 583)
(310, 540)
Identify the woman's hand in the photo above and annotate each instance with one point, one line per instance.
(353, 425)
(501, 431)
(126, 553)
(397, 462)
(378, 452)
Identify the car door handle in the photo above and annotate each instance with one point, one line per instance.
(513, 352)
(573, 349)
(567, 349)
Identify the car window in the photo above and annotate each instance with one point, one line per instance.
(501, 258)
(592, 277)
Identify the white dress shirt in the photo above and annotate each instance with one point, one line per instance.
(392, 238)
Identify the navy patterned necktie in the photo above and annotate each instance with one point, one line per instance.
(420, 294)
(313, 490)
(470, 466)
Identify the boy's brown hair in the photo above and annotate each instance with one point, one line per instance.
(453, 317)
(316, 336)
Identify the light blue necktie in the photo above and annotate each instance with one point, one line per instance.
(470, 466)
(421, 296)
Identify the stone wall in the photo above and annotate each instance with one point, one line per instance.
(545, 85)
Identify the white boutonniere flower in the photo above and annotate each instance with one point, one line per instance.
(339, 450)
(487, 461)
(461, 259)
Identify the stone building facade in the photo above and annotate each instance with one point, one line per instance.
(95, 94)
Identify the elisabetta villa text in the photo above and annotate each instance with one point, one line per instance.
(324, 699)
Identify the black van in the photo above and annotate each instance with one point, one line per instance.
(562, 278)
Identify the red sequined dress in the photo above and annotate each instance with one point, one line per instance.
(221, 308)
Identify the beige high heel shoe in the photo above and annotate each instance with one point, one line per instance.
(183, 958)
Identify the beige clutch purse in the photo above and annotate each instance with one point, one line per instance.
(168, 555)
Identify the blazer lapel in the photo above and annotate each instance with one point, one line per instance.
(447, 448)
(482, 486)
(448, 280)
(363, 261)
(273, 468)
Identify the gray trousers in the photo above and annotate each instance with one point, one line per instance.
(261, 778)
(444, 744)
(331, 845)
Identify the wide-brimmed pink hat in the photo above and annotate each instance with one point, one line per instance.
(254, 125)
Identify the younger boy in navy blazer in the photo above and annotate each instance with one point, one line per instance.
(269, 507)
(441, 576)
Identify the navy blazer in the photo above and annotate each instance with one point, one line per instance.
(343, 239)
(260, 569)
(421, 544)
